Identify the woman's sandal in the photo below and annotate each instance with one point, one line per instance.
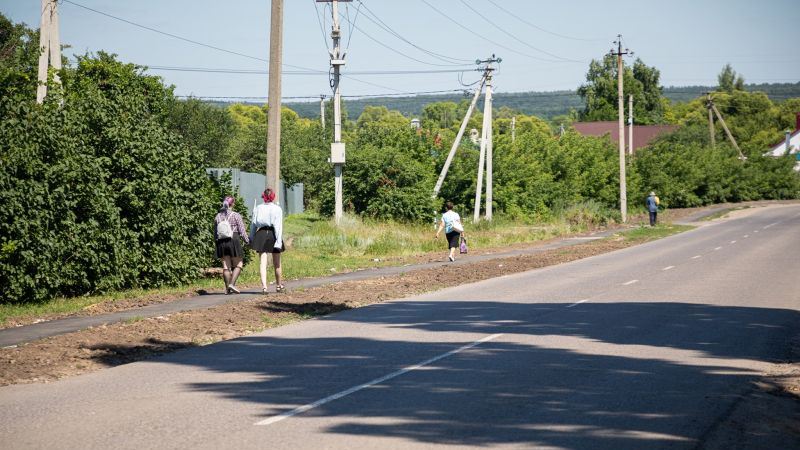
(264, 291)
(280, 288)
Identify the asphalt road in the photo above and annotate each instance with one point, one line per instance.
(648, 347)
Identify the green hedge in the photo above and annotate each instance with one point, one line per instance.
(97, 194)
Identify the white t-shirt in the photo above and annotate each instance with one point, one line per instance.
(448, 218)
(268, 215)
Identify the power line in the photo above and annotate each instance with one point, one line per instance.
(410, 96)
(377, 20)
(316, 97)
(350, 36)
(369, 83)
(517, 16)
(485, 38)
(504, 31)
(301, 72)
(175, 36)
(320, 21)
(353, 25)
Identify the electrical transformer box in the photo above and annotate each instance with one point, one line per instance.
(337, 153)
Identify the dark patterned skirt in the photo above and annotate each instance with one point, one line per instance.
(230, 247)
(452, 239)
(264, 241)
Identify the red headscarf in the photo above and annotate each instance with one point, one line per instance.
(268, 196)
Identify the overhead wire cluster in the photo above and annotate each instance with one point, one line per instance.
(443, 64)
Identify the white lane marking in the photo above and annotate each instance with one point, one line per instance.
(772, 224)
(755, 231)
(668, 268)
(304, 408)
(577, 303)
(733, 242)
(746, 236)
(697, 256)
(630, 282)
(717, 248)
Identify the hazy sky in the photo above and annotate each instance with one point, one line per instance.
(688, 41)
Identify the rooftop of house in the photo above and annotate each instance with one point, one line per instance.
(643, 135)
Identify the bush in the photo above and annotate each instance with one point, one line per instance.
(388, 176)
(685, 173)
(97, 194)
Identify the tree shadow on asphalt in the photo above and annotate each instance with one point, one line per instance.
(115, 355)
(307, 309)
(605, 375)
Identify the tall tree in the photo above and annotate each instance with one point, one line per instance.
(207, 129)
(381, 114)
(600, 91)
(729, 80)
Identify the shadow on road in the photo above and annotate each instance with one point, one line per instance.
(625, 375)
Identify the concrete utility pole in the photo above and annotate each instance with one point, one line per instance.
(274, 100)
(711, 132)
(322, 111)
(459, 136)
(337, 147)
(486, 145)
(49, 46)
(630, 125)
(481, 161)
(623, 195)
(489, 137)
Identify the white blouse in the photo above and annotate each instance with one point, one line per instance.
(268, 215)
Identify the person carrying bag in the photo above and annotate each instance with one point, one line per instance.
(454, 230)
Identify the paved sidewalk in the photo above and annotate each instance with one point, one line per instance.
(28, 333)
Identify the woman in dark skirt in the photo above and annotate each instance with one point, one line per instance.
(229, 249)
(266, 232)
(451, 224)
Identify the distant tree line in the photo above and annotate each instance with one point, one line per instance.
(547, 105)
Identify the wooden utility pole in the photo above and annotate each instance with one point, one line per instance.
(727, 131)
(711, 132)
(623, 195)
(630, 124)
(457, 141)
(49, 47)
(274, 100)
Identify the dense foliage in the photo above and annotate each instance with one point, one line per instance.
(601, 91)
(687, 171)
(97, 194)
